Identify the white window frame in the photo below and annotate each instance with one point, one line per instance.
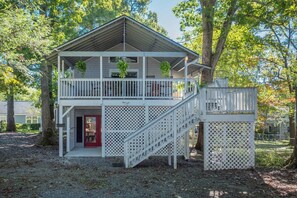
(123, 57)
(128, 70)
(31, 118)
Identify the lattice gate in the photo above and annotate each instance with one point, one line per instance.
(121, 121)
(228, 145)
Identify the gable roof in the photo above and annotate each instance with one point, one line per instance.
(120, 30)
(20, 108)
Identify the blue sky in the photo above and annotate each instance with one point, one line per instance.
(166, 17)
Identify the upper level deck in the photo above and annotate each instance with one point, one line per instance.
(125, 89)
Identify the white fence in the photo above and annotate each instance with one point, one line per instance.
(125, 88)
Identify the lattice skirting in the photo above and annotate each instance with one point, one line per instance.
(121, 121)
(228, 145)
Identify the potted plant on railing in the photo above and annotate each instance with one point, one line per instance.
(122, 65)
(165, 87)
(165, 69)
(81, 66)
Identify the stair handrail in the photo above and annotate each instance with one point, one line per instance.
(163, 115)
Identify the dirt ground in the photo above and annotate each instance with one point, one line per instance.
(30, 171)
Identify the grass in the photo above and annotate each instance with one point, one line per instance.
(272, 153)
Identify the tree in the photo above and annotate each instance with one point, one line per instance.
(23, 42)
(69, 19)
(210, 15)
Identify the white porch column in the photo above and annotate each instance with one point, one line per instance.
(68, 133)
(59, 83)
(103, 131)
(101, 77)
(174, 141)
(143, 77)
(186, 75)
(63, 69)
(60, 131)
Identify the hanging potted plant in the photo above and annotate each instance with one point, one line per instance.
(122, 65)
(81, 66)
(165, 69)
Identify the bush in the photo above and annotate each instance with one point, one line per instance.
(20, 127)
(27, 127)
(3, 125)
(272, 158)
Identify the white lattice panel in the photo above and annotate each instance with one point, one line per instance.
(229, 145)
(124, 118)
(180, 148)
(155, 111)
(120, 122)
(114, 143)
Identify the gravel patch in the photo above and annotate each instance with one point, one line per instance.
(27, 170)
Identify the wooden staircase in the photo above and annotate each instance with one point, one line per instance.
(162, 132)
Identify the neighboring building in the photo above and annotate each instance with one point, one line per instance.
(24, 112)
(146, 114)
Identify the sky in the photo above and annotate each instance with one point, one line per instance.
(166, 18)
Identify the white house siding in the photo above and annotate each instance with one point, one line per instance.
(93, 66)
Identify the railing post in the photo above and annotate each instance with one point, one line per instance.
(203, 101)
(143, 77)
(255, 103)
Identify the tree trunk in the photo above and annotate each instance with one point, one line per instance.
(199, 144)
(48, 130)
(10, 111)
(292, 128)
(50, 82)
(292, 161)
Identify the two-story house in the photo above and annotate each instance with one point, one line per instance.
(144, 113)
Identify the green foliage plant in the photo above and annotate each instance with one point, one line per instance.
(122, 65)
(81, 67)
(165, 69)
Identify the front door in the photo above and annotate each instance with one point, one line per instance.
(92, 130)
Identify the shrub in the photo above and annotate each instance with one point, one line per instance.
(3, 125)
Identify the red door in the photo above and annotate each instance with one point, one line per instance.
(92, 130)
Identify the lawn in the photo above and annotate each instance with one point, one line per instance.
(272, 153)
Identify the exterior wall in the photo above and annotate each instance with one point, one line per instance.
(93, 66)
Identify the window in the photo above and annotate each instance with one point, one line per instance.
(32, 119)
(127, 59)
(129, 75)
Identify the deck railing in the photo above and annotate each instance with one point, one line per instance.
(113, 88)
(230, 100)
